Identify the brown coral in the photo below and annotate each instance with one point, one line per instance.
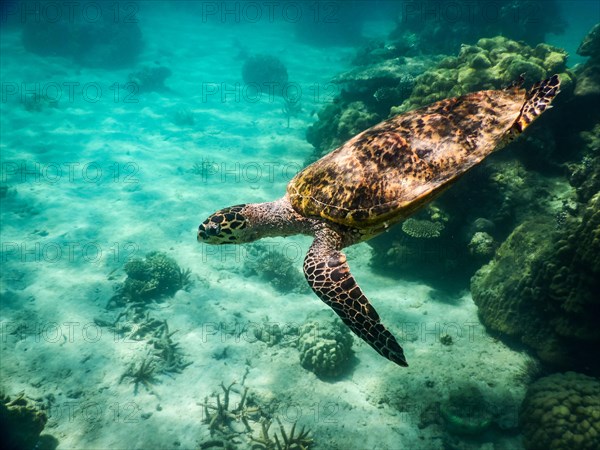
(562, 412)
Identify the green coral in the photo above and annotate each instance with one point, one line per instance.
(490, 64)
(482, 245)
(325, 347)
(562, 412)
(542, 286)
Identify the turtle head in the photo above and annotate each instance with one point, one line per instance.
(226, 226)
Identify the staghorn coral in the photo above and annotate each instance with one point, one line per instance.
(325, 347)
(422, 229)
(288, 440)
(562, 412)
(231, 426)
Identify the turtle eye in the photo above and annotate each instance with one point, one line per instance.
(212, 229)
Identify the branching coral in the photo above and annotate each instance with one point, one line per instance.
(287, 441)
(562, 412)
(221, 418)
(231, 426)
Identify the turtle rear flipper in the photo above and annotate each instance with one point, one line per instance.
(538, 100)
(329, 276)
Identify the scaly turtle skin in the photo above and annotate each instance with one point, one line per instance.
(378, 178)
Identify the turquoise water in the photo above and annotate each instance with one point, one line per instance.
(124, 125)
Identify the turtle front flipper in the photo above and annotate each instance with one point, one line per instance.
(329, 276)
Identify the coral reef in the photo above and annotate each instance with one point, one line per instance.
(151, 278)
(325, 347)
(337, 123)
(102, 43)
(274, 267)
(490, 64)
(265, 73)
(150, 79)
(588, 78)
(439, 27)
(585, 175)
(482, 245)
(562, 412)
(367, 94)
(541, 287)
(22, 424)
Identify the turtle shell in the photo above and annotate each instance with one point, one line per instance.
(385, 173)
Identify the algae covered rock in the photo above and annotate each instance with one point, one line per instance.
(465, 411)
(542, 286)
(492, 63)
(562, 412)
(21, 423)
(482, 245)
(325, 347)
(588, 78)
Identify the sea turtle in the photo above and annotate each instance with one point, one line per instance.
(376, 179)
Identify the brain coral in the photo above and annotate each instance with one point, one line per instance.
(325, 347)
(562, 412)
